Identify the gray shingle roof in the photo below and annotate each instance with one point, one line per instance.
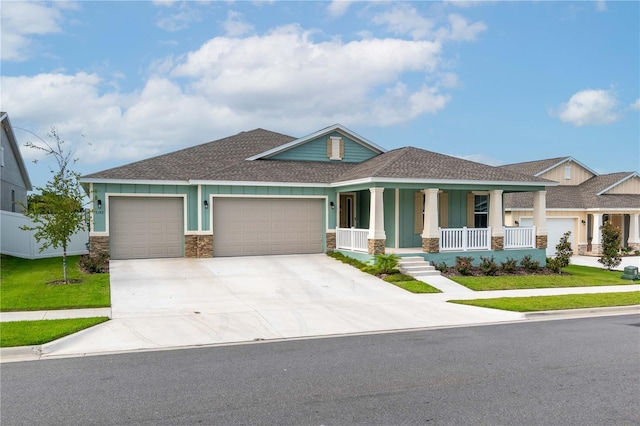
(415, 163)
(533, 167)
(581, 196)
(225, 160)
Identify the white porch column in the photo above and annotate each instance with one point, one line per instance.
(376, 215)
(595, 232)
(495, 213)
(430, 226)
(634, 235)
(540, 218)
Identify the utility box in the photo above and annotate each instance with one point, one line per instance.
(630, 273)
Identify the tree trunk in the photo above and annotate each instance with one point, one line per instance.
(64, 264)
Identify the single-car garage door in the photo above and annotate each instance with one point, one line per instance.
(556, 227)
(145, 227)
(259, 226)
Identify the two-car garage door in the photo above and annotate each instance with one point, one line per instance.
(260, 226)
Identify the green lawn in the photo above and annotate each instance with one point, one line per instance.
(407, 282)
(25, 285)
(550, 303)
(573, 276)
(28, 333)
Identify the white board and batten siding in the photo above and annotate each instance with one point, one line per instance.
(146, 227)
(265, 226)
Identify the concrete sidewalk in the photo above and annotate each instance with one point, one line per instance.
(54, 314)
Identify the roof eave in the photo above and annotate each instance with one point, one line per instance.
(567, 159)
(607, 189)
(438, 181)
(16, 152)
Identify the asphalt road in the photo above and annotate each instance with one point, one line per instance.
(582, 372)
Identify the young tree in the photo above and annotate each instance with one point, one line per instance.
(563, 254)
(610, 245)
(57, 213)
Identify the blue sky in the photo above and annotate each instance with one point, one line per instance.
(495, 82)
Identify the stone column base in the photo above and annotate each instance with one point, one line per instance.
(582, 249)
(98, 245)
(541, 241)
(331, 241)
(198, 246)
(497, 243)
(596, 249)
(431, 245)
(634, 246)
(376, 246)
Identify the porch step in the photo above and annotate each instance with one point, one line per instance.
(416, 267)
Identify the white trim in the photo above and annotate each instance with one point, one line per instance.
(107, 195)
(336, 127)
(98, 234)
(91, 210)
(437, 181)
(325, 197)
(136, 182)
(397, 214)
(197, 233)
(564, 161)
(200, 207)
(618, 183)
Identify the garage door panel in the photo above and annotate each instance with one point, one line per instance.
(146, 227)
(256, 226)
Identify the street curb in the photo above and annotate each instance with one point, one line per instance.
(565, 313)
(20, 353)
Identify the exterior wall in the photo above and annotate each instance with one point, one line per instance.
(389, 196)
(629, 186)
(579, 231)
(316, 150)
(578, 174)
(458, 209)
(198, 246)
(98, 245)
(11, 178)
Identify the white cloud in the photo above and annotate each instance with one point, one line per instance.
(23, 20)
(601, 5)
(406, 20)
(589, 107)
(176, 21)
(282, 80)
(338, 7)
(235, 26)
(635, 105)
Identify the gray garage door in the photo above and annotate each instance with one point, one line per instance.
(145, 227)
(259, 226)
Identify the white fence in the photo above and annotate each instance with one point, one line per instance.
(352, 239)
(463, 239)
(16, 242)
(519, 237)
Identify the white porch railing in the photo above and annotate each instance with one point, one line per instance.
(353, 239)
(519, 237)
(463, 239)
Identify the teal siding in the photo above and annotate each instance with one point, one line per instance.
(316, 150)
(362, 207)
(457, 209)
(389, 197)
(408, 237)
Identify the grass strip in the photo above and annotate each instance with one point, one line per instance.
(573, 276)
(29, 333)
(415, 286)
(551, 303)
(26, 285)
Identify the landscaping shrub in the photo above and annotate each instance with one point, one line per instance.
(563, 254)
(488, 266)
(464, 265)
(529, 264)
(636, 252)
(610, 242)
(383, 264)
(509, 266)
(96, 264)
(554, 264)
(442, 267)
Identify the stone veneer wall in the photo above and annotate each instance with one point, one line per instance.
(331, 241)
(431, 245)
(541, 241)
(98, 245)
(376, 246)
(198, 246)
(497, 243)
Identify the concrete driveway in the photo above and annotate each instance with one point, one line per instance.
(164, 303)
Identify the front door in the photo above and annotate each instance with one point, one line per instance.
(347, 210)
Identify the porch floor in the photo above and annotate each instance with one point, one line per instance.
(404, 250)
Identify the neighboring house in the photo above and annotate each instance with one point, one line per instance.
(14, 179)
(581, 203)
(261, 192)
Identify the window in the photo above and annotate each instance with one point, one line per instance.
(481, 211)
(567, 172)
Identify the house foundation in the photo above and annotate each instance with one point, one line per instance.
(376, 246)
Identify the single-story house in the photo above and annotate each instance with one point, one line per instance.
(260, 192)
(581, 203)
(14, 178)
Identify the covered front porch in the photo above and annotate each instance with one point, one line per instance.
(436, 222)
